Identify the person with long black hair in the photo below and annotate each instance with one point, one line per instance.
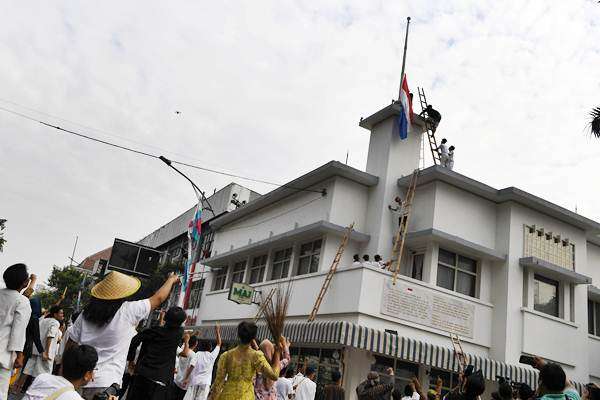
(108, 324)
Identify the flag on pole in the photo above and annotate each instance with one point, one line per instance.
(402, 121)
(194, 230)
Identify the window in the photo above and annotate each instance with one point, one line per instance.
(220, 279)
(417, 266)
(457, 273)
(449, 379)
(309, 257)
(237, 275)
(257, 269)
(594, 318)
(208, 238)
(281, 264)
(325, 360)
(545, 295)
(403, 371)
(195, 294)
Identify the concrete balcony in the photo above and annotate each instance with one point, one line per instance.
(361, 295)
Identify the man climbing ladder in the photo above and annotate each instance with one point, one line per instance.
(400, 236)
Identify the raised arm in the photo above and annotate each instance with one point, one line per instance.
(218, 333)
(269, 371)
(163, 293)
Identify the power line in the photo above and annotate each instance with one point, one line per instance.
(104, 132)
(143, 153)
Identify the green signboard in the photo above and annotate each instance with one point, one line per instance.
(241, 293)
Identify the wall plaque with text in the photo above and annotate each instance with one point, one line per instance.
(425, 307)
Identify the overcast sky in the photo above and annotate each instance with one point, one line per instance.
(273, 90)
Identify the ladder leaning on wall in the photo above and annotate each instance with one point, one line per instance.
(332, 269)
(428, 124)
(458, 352)
(400, 237)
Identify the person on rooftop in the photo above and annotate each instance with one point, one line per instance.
(432, 116)
(442, 151)
(450, 158)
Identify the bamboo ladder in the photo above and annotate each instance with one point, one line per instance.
(430, 134)
(400, 238)
(458, 352)
(332, 269)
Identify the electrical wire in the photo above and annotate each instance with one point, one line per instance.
(143, 153)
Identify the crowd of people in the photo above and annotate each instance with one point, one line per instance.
(104, 354)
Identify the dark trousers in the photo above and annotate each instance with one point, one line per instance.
(175, 392)
(142, 388)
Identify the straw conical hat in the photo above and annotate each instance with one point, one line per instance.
(116, 286)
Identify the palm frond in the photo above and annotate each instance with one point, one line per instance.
(595, 122)
(275, 310)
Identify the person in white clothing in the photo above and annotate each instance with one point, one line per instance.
(199, 374)
(304, 386)
(283, 386)
(450, 159)
(14, 317)
(65, 339)
(77, 370)
(186, 357)
(410, 392)
(108, 324)
(49, 332)
(442, 150)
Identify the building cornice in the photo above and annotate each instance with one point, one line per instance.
(320, 227)
(441, 174)
(309, 180)
(455, 242)
(554, 271)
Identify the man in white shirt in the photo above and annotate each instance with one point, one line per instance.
(283, 386)
(77, 370)
(199, 374)
(14, 317)
(49, 334)
(186, 357)
(450, 160)
(443, 152)
(108, 324)
(304, 385)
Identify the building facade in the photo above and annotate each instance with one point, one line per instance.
(508, 272)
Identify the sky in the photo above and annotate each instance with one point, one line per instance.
(271, 90)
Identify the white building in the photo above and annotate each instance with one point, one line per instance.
(509, 272)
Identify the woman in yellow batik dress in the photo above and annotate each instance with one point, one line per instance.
(238, 367)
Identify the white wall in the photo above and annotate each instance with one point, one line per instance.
(593, 263)
(526, 331)
(349, 204)
(283, 216)
(594, 358)
(465, 215)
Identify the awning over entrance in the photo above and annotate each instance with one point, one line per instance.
(344, 333)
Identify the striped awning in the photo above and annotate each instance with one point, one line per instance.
(344, 333)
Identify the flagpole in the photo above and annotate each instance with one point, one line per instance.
(404, 56)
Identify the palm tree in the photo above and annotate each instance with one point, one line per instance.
(595, 122)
